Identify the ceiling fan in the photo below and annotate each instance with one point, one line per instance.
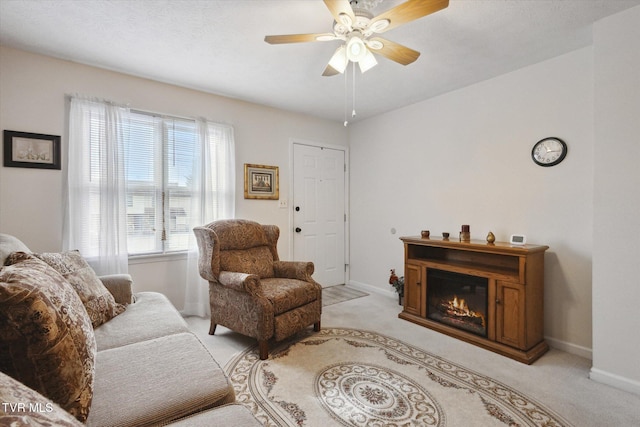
(358, 29)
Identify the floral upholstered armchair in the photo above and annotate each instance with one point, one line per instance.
(250, 290)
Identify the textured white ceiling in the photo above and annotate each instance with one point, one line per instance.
(218, 46)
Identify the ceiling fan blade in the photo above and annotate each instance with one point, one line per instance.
(341, 9)
(394, 51)
(407, 12)
(330, 71)
(299, 38)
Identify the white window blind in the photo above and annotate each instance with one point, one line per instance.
(159, 157)
(180, 149)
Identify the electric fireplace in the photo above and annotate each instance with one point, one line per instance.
(487, 294)
(457, 300)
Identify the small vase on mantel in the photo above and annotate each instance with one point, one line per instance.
(491, 238)
(465, 234)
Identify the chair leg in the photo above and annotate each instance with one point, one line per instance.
(263, 348)
(212, 328)
(316, 326)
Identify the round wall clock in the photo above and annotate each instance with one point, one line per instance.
(549, 151)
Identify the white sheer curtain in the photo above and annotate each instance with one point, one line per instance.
(95, 220)
(213, 198)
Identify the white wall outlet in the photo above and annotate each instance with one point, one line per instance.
(282, 203)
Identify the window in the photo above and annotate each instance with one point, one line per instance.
(159, 159)
(139, 182)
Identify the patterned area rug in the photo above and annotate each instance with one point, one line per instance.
(357, 378)
(339, 293)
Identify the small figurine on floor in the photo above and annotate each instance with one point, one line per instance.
(393, 278)
(398, 284)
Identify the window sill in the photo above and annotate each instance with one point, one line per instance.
(148, 259)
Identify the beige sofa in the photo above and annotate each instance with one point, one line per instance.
(149, 368)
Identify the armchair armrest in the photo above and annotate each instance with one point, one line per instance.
(300, 270)
(120, 286)
(242, 282)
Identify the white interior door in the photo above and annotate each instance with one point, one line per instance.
(319, 211)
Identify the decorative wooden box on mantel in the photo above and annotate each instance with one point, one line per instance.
(490, 295)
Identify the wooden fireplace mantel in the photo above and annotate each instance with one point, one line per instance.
(515, 276)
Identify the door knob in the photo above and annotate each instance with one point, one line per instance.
(298, 229)
(297, 208)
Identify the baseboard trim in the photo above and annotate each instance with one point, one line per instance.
(570, 348)
(373, 289)
(614, 380)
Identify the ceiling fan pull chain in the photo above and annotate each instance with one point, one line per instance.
(346, 96)
(353, 112)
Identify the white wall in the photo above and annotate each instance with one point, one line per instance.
(616, 254)
(465, 158)
(32, 99)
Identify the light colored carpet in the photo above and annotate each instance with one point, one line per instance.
(558, 380)
(340, 293)
(361, 378)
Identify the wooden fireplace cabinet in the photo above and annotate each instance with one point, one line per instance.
(515, 276)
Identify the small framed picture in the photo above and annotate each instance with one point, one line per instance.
(31, 150)
(261, 182)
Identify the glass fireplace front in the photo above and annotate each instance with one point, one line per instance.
(457, 300)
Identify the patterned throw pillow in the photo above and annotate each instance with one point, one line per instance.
(94, 295)
(22, 406)
(46, 338)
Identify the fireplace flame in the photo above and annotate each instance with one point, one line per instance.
(459, 307)
(460, 304)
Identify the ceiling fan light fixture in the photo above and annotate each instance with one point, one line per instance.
(339, 60)
(356, 49)
(368, 62)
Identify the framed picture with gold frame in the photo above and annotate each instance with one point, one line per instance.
(261, 182)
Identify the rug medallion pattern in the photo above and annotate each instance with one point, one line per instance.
(351, 377)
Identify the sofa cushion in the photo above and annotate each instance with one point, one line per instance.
(232, 414)
(22, 406)
(120, 285)
(157, 380)
(94, 295)
(151, 316)
(47, 338)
